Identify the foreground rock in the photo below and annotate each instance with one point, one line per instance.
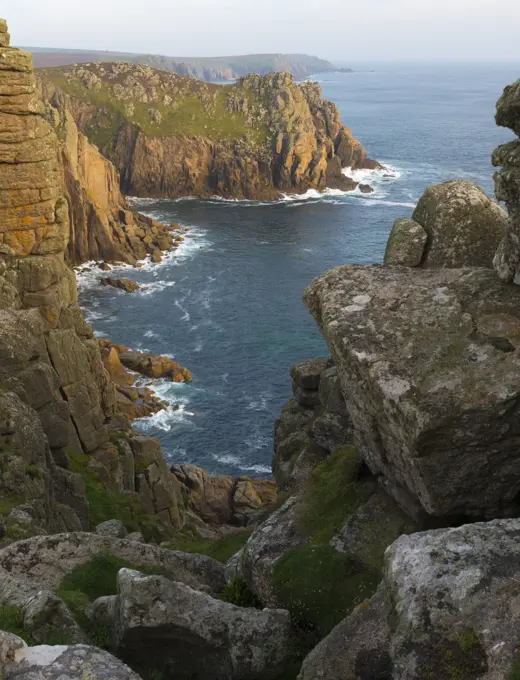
(45, 560)
(191, 634)
(255, 139)
(454, 225)
(429, 367)
(455, 593)
(75, 662)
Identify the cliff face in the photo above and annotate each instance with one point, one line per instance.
(170, 136)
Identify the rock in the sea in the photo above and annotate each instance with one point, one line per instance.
(463, 225)
(429, 362)
(455, 598)
(406, 244)
(356, 649)
(112, 527)
(127, 285)
(191, 634)
(74, 662)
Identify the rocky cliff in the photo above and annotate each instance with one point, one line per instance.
(170, 136)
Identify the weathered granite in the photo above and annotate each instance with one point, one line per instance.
(429, 365)
(406, 244)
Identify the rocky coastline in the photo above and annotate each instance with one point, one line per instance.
(387, 546)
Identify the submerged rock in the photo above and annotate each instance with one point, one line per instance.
(429, 362)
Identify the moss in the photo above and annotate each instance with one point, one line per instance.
(332, 493)
(514, 673)
(443, 659)
(105, 504)
(320, 586)
(33, 472)
(12, 621)
(237, 592)
(221, 549)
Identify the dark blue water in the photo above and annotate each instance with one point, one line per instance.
(228, 306)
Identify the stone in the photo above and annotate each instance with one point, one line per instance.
(45, 560)
(455, 596)
(306, 397)
(136, 536)
(307, 374)
(73, 662)
(199, 635)
(428, 363)
(508, 108)
(371, 529)
(266, 545)
(112, 527)
(356, 649)
(330, 395)
(332, 430)
(127, 285)
(406, 244)
(464, 226)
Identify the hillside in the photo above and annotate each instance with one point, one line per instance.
(204, 68)
(173, 136)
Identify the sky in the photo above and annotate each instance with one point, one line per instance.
(341, 30)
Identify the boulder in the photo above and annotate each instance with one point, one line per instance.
(45, 560)
(464, 226)
(406, 244)
(307, 374)
(455, 597)
(266, 545)
(74, 662)
(127, 285)
(191, 634)
(429, 365)
(112, 527)
(356, 649)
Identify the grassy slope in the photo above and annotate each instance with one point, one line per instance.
(190, 117)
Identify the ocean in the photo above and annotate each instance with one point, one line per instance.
(227, 305)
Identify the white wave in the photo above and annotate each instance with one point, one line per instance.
(150, 334)
(199, 345)
(151, 288)
(259, 469)
(234, 461)
(185, 314)
(166, 419)
(261, 403)
(387, 173)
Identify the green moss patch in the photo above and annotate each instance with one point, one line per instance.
(462, 659)
(334, 490)
(320, 586)
(237, 592)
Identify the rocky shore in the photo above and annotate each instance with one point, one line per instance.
(171, 136)
(388, 547)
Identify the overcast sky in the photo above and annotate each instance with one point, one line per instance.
(346, 30)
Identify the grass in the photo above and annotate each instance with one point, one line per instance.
(320, 586)
(221, 549)
(514, 673)
(12, 621)
(237, 592)
(105, 504)
(332, 493)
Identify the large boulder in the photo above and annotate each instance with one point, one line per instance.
(455, 598)
(464, 226)
(429, 365)
(191, 634)
(406, 244)
(74, 662)
(45, 560)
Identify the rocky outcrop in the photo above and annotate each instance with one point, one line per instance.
(223, 501)
(312, 424)
(170, 136)
(428, 364)
(190, 634)
(126, 285)
(454, 225)
(507, 184)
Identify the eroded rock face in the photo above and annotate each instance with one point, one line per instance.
(455, 595)
(260, 137)
(199, 635)
(428, 362)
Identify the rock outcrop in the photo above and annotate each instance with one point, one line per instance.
(454, 225)
(170, 136)
(190, 634)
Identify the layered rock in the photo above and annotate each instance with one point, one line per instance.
(454, 225)
(170, 136)
(507, 184)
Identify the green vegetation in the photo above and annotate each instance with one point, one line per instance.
(333, 492)
(12, 621)
(238, 592)
(220, 549)
(462, 659)
(514, 673)
(319, 586)
(105, 504)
